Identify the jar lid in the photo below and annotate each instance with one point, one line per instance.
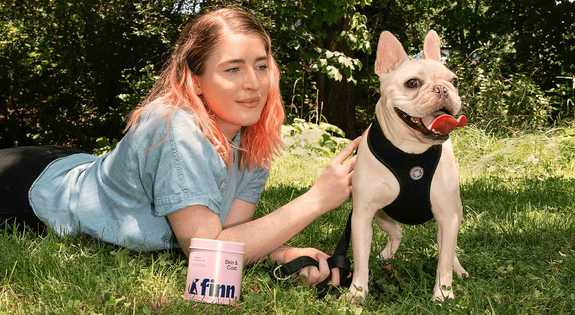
(217, 245)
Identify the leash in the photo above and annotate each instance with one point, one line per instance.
(337, 260)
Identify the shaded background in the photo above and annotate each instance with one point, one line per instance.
(70, 71)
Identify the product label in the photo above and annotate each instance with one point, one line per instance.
(207, 287)
(232, 264)
(214, 277)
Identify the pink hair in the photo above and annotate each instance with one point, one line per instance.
(259, 142)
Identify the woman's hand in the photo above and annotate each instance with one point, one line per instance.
(311, 275)
(333, 186)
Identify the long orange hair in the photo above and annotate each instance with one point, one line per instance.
(259, 142)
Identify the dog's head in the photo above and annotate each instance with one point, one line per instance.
(421, 93)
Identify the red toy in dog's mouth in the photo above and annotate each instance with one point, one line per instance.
(436, 126)
(445, 123)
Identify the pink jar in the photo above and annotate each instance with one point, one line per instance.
(214, 271)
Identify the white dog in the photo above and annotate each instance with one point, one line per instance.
(406, 171)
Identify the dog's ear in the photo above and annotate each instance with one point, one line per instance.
(390, 53)
(432, 46)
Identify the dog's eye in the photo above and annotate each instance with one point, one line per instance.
(413, 83)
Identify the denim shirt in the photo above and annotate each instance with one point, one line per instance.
(163, 164)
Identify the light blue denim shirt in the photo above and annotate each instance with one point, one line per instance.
(162, 165)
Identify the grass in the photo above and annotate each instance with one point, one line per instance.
(517, 242)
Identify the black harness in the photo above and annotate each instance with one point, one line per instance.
(414, 172)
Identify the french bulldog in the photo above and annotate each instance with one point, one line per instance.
(406, 171)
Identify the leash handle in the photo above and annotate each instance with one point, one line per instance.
(337, 260)
(283, 272)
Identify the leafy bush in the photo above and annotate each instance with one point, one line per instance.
(563, 98)
(306, 138)
(70, 71)
(508, 104)
(497, 102)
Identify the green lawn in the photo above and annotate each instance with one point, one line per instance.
(517, 242)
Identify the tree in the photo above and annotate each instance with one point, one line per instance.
(64, 64)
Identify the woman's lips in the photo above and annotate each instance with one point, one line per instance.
(250, 102)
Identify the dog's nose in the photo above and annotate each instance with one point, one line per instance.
(441, 91)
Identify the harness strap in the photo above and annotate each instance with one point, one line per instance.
(337, 260)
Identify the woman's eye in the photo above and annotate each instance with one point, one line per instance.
(262, 67)
(413, 83)
(233, 69)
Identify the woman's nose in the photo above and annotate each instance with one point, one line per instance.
(251, 80)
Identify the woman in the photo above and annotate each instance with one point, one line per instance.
(192, 163)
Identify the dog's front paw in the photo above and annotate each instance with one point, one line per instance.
(356, 294)
(442, 293)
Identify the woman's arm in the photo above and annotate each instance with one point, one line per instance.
(265, 234)
(240, 212)
(261, 236)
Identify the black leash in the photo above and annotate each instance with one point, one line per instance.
(337, 260)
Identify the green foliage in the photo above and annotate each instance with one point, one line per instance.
(563, 98)
(514, 104)
(71, 71)
(521, 48)
(358, 35)
(64, 63)
(138, 83)
(315, 44)
(104, 145)
(336, 65)
(495, 101)
(306, 138)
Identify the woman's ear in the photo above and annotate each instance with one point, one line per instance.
(196, 83)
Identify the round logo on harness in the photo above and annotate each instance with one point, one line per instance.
(416, 172)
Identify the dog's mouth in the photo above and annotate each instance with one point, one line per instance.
(436, 126)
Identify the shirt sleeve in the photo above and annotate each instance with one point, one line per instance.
(251, 188)
(183, 165)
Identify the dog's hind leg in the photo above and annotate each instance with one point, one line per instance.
(458, 268)
(393, 230)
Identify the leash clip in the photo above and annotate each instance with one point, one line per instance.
(275, 273)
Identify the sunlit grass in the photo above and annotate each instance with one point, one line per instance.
(517, 242)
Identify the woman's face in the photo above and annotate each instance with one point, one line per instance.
(235, 81)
